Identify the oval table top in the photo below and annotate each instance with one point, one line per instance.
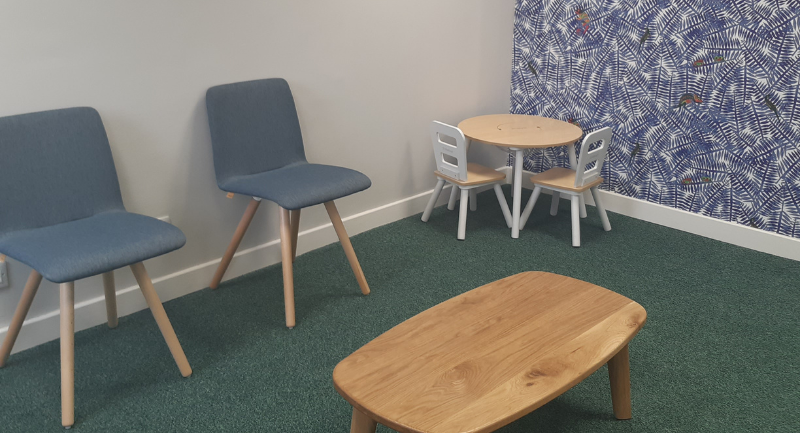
(520, 131)
(483, 359)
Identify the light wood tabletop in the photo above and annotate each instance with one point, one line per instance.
(520, 131)
(485, 358)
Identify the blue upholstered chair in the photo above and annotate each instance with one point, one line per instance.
(61, 213)
(258, 152)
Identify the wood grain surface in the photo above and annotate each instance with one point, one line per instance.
(485, 358)
(476, 175)
(520, 131)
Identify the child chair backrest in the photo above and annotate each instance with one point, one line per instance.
(451, 160)
(596, 156)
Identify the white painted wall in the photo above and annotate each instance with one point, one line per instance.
(368, 77)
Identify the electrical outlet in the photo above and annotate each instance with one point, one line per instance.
(166, 219)
(3, 275)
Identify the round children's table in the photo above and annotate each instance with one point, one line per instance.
(520, 132)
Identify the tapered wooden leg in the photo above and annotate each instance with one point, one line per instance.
(288, 275)
(34, 279)
(295, 214)
(362, 423)
(150, 295)
(619, 373)
(333, 213)
(67, 354)
(237, 239)
(111, 299)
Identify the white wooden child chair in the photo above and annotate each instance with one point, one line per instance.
(462, 175)
(574, 183)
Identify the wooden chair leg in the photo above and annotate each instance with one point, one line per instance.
(150, 295)
(554, 203)
(619, 374)
(451, 204)
(576, 220)
(333, 214)
(237, 239)
(462, 215)
(295, 216)
(537, 190)
(111, 299)
(437, 190)
(473, 199)
(34, 279)
(598, 202)
(361, 423)
(67, 354)
(286, 257)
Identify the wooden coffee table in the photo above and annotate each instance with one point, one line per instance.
(488, 357)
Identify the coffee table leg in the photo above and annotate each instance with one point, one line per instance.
(362, 423)
(518, 155)
(619, 372)
(573, 163)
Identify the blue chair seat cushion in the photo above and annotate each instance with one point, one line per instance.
(90, 246)
(299, 185)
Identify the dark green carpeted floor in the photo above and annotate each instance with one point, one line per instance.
(719, 351)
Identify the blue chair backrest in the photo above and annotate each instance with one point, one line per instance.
(55, 166)
(254, 127)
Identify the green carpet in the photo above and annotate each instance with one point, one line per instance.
(719, 352)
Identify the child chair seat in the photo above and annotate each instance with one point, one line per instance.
(476, 175)
(563, 179)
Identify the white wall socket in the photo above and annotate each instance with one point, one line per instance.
(3, 275)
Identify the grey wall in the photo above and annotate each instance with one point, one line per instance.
(368, 77)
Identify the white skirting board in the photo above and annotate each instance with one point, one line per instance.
(43, 328)
(92, 312)
(728, 232)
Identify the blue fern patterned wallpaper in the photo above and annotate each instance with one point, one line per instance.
(703, 97)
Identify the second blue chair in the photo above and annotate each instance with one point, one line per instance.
(258, 152)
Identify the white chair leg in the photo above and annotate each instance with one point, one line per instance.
(576, 220)
(451, 204)
(432, 202)
(601, 210)
(462, 215)
(473, 199)
(554, 203)
(583, 204)
(503, 204)
(529, 207)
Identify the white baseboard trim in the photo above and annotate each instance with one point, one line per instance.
(45, 327)
(92, 312)
(728, 232)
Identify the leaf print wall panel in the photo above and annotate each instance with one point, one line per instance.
(703, 97)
